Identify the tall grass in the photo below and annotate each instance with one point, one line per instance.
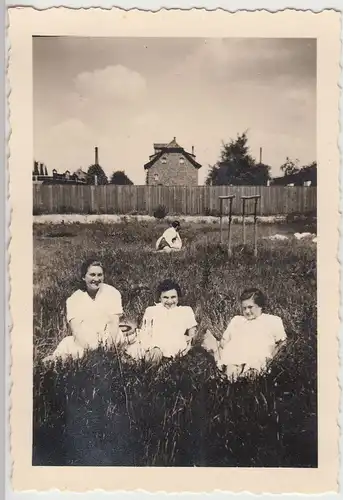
(106, 410)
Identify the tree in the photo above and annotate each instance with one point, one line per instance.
(35, 168)
(46, 171)
(96, 171)
(290, 167)
(237, 167)
(211, 179)
(41, 170)
(120, 178)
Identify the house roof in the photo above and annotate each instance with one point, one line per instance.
(306, 174)
(173, 144)
(171, 147)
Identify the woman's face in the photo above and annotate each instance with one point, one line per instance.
(250, 309)
(169, 299)
(93, 278)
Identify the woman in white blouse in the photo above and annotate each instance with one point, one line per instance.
(168, 328)
(170, 241)
(93, 313)
(250, 340)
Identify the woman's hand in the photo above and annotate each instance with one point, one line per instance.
(115, 335)
(82, 337)
(190, 334)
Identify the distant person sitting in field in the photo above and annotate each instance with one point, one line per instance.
(93, 313)
(167, 327)
(250, 340)
(170, 241)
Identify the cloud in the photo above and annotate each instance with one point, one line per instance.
(239, 60)
(113, 83)
(67, 145)
(72, 129)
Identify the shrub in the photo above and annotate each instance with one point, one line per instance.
(160, 212)
(303, 221)
(37, 211)
(212, 212)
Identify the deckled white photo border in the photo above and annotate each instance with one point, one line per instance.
(324, 26)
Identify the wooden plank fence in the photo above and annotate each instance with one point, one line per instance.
(179, 200)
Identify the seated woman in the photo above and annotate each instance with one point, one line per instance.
(93, 313)
(167, 327)
(250, 340)
(170, 241)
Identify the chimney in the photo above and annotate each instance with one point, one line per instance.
(96, 156)
(260, 155)
(193, 150)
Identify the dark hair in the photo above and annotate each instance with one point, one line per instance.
(255, 294)
(176, 224)
(165, 286)
(84, 268)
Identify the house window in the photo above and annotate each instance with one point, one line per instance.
(164, 159)
(155, 177)
(182, 160)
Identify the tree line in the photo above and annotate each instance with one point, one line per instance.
(96, 174)
(235, 166)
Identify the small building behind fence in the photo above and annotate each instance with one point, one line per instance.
(172, 165)
(78, 177)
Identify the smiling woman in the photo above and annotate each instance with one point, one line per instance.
(251, 340)
(93, 313)
(167, 328)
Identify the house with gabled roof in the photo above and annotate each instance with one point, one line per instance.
(171, 165)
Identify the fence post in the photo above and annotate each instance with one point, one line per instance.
(92, 199)
(243, 222)
(221, 219)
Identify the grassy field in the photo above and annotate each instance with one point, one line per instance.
(103, 410)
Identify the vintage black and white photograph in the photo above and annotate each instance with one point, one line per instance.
(178, 302)
(174, 203)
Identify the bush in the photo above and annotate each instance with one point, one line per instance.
(37, 211)
(212, 212)
(303, 221)
(160, 212)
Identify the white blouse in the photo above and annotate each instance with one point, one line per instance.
(167, 328)
(94, 314)
(169, 235)
(251, 341)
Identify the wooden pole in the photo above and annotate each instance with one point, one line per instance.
(229, 197)
(244, 199)
(221, 220)
(229, 230)
(255, 228)
(243, 225)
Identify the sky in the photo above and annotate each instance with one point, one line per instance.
(125, 94)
